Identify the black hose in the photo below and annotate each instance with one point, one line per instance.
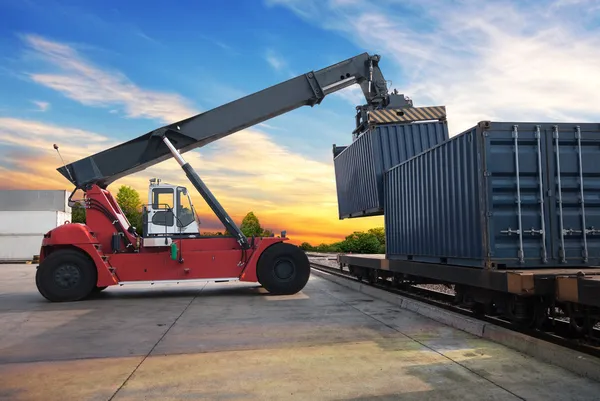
(96, 205)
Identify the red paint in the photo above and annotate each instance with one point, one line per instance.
(203, 258)
(99, 223)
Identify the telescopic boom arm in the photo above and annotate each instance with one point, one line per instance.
(305, 90)
(172, 140)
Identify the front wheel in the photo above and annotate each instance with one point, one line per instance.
(283, 269)
(66, 275)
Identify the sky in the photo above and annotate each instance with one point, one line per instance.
(89, 75)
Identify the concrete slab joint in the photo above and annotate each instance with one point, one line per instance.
(233, 341)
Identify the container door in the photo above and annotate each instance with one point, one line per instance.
(574, 152)
(515, 175)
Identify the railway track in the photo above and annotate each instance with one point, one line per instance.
(556, 330)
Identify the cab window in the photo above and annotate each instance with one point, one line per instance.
(185, 214)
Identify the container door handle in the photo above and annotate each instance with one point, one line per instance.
(515, 135)
(581, 194)
(559, 197)
(542, 231)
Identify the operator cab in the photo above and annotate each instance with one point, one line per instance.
(169, 211)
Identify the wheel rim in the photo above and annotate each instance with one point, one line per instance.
(67, 276)
(284, 269)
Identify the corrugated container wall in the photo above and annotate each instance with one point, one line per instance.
(34, 200)
(26, 216)
(500, 195)
(360, 166)
(21, 233)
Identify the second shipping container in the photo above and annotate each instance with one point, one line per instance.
(499, 195)
(359, 167)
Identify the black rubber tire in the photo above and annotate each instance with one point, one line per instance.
(283, 269)
(66, 275)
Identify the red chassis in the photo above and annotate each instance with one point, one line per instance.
(78, 259)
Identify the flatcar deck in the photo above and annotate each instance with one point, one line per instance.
(579, 289)
(520, 282)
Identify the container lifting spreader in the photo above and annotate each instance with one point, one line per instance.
(77, 260)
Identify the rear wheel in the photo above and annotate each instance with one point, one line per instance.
(66, 275)
(283, 269)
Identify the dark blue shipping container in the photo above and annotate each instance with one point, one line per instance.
(499, 195)
(360, 166)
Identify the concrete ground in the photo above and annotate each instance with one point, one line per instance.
(233, 341)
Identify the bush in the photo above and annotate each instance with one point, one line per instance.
(305, 246)
(361, 242)
(371, 242)
(379, 232)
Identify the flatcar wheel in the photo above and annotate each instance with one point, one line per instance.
(372, 277)
(520, 311)
(579, 322)
(541, 313)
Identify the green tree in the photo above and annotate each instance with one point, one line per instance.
(251, 226)
(336, 247)
(372, 241)
(361, 242)
(305, 246)
(379, 232)
(129, 201)
(78, 214)
(323, 248)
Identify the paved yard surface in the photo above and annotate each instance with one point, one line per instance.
(234, 342)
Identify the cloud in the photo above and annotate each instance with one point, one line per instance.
(462, 55)
(39, 136)
(288, 191)
(246, 171)
(275, 60)
(82, 81)
(352, 94)
(42, 106)
(138, 32)
(279, 63)
(270, 127)
(590, 5)
(29, 159)
(224, 46)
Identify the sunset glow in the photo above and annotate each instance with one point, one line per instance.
(100, 77)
